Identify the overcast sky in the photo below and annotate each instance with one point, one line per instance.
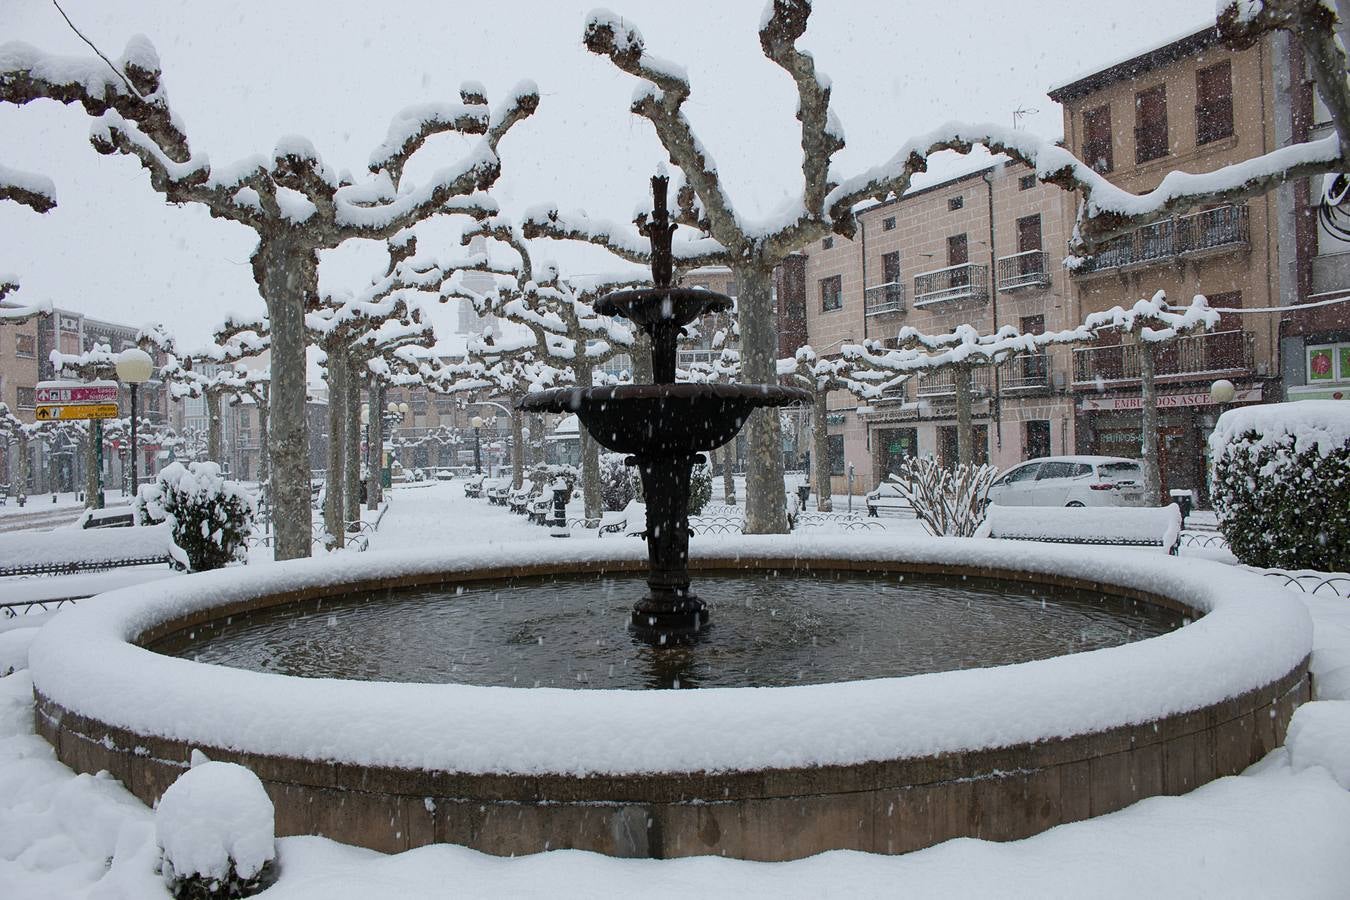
(241, 75)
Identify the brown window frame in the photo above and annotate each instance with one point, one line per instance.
(1150, 124)
(1210, 104)
(832, 288)
(1098, 151)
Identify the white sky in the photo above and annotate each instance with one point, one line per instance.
(240, 75)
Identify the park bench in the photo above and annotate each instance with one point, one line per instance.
(519, 499)
(106, 518)
(497, 489)
(631, 520)
(67, 551)
(1129, 526)
(473, 487)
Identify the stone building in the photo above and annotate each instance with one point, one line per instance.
(1191, 104)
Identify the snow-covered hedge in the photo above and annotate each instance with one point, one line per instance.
(1282, 484)
(210, 515)
(216, 828)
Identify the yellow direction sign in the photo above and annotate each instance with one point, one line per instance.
(77, 411)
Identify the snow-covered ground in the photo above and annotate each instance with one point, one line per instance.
(1281, 829)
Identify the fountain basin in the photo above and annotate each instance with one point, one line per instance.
(885, 765)
(663, 419)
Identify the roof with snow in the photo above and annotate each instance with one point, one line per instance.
(1172, 50)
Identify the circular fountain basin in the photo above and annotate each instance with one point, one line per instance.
(663, 419)
(882, 764)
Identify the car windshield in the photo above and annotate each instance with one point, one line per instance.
(1121, 471)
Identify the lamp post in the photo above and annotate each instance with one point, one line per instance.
(477, 423)
(397, 412)
(134, 367)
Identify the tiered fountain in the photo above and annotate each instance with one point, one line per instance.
(664, 425)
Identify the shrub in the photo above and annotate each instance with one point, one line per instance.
(700, 488)
(618, 485)
(210, 516)
(1282, 484)
(949, 501)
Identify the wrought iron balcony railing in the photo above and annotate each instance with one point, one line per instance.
(965, 281)
(943, 383)
(1198, 355)
(1221, 228)
(1024, 270)
(1026, 372)
(884, 298)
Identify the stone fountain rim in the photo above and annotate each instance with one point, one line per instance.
(88, 663)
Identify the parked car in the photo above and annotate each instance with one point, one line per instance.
(887, 498)
(1071, 481)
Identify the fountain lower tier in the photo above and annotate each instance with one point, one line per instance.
(663, 427)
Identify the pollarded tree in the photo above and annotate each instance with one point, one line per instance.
(827, 205)
(823, 377)
(559, 312)
(294, 202)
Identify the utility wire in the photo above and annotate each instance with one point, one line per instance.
(116, 71)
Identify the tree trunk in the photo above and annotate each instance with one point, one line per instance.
(90, 468)
(334, 483)
(820, 454)
(375, 444)
(1148, 416)
(517, 448)
(215, 450)
(264, 468)
(590, 456)
(765, 503)
(352, 466)
(23, 466)
(641, 355)
(965, 431)
(729, 472)
(287, 273)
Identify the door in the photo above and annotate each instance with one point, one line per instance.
(1052, 484)
(1036, 441)
(894, 446)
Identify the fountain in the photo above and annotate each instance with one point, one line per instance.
(663, 426)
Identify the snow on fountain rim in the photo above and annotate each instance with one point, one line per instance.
(1254, 633)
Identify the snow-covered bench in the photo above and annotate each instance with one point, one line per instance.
(519, 499)
(496, 490)
(474, 486)
(69, 550)
(631, 520)
(1125, 525)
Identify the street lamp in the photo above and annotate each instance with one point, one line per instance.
(1222, 392)
(477, 423)
(134, 367)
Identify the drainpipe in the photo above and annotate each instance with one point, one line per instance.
(996, 400)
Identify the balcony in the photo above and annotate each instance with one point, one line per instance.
(965, 281)
(1198, 234)
(1024, 374)
(1024, 270)
(884, 298)
(943, 383)
(1197, 357)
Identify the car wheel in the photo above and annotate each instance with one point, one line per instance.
(1076, 503)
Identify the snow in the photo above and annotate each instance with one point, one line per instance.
(88, 546)
(295, 207)
(214, 816)
(1279, 829)
(28, 181)
(1112, 524)
(1323, 425)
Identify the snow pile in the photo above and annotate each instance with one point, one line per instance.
(1319, 735)
(1321, 425)
(14, 649)
(89, 548)
(215, 824)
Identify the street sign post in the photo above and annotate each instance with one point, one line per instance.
(75, 392)
(76, 412)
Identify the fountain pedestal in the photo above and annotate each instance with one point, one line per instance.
(669, 607)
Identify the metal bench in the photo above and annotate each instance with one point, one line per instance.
(1127, 526)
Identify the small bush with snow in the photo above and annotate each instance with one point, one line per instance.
(216, 828)
(618, 485)
(1282, 484)
(948, 500)
(210, 515)
(700, 488)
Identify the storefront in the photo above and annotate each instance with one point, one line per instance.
(1110, 426)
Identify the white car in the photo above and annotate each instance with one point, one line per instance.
(1071, 481)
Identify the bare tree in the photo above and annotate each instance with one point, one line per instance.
(294, 203)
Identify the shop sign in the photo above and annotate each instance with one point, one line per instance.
(1165, 401)
(64, 392)
(1328, 363)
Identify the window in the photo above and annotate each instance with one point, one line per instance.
(25, 345)
(1026, 182)
(1021, 473)
(1097, 139)
(25, 398)
(956, 202)
(1214, 102)
(826, 243)
(1056, 470)
(831, 292)
(1036, 439)
(958, 254)
(890, 267)
(1150, 124)
(888, 223)
(836, 448)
